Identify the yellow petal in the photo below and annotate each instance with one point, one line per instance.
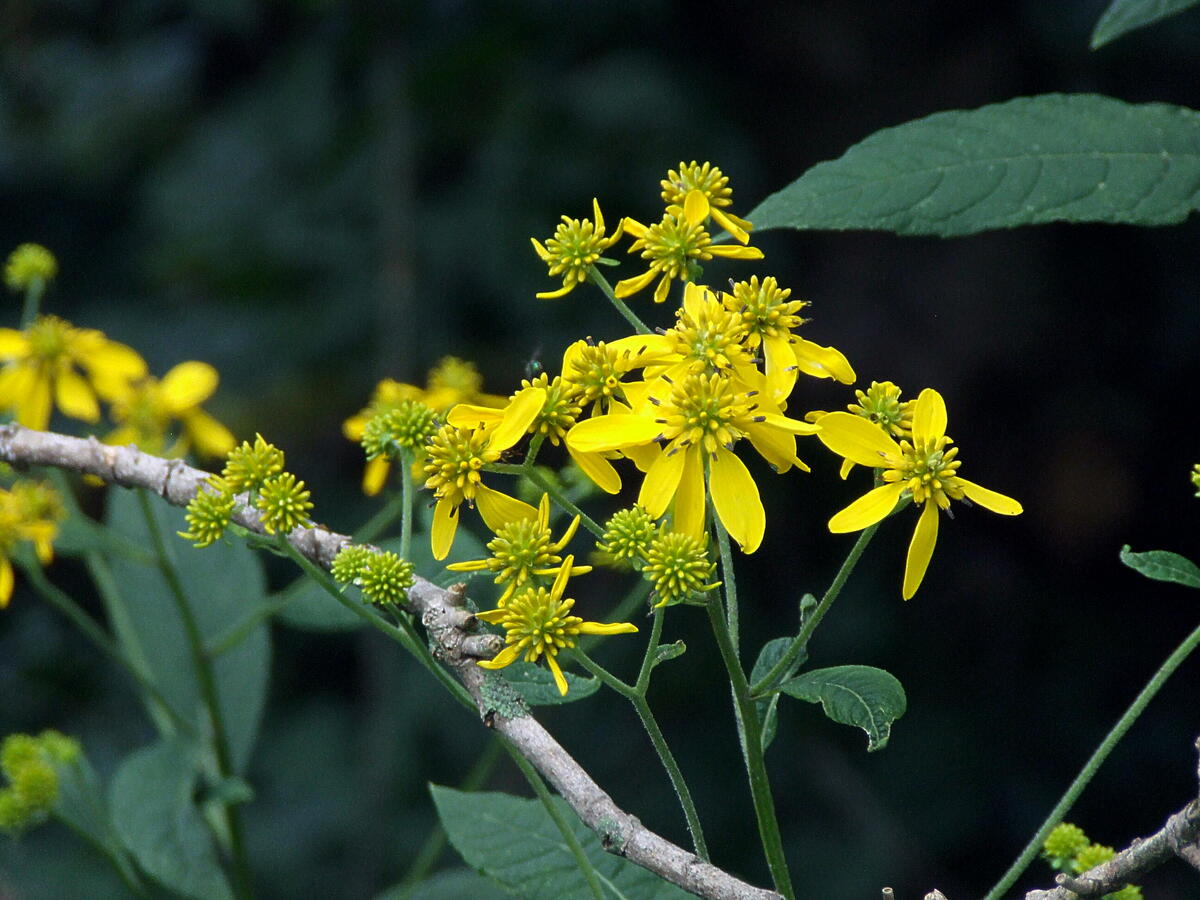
(822, 362)
(731, 251)
(844, 471)
(920, 551)
(559, 680)
(13, 344)
(554, 295)
(33, 408)
(518, 416)
(660, 290)
(630, 286)
(375, 475)
(792, 426)
(775, 446)
(112, 365)
(856, 439)
(597, 217)
(188, 385)
(572, 353)
(780, 365)
(499, 509)
(540, 250)
(689, 496)
(661, 482)
(612, 432)
(209, 436)
(735, 497)
(730, 225)
(996, 502)
(445, 524)
(597, 468)
(505, 657)
(471, 565)
(634, 227)
(543, 511)
(641, 348)
(468, 415)
(74, 397)
(560, 580)
(354, 426)
(6, 581)
(614, 628)
(868, 509)
(643, 455)
(695, 207)
(929, 416)
(695, 300)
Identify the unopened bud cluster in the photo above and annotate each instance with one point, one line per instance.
(384, 577)
(30, 765)
(405, 427)
(1067, 849)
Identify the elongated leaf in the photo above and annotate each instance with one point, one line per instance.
(1126, 15)
(453, 884)
(1163, 565)
(221, 583)
(83, 805)
(535, 684)
(151, 798)
(864, 696)
(768, 707)
(1032, 160)
(515, 842)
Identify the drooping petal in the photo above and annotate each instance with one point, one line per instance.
(630, 286)
(776, 447)
(469, 415)
(559, 680)
(780, 365)
(993, 500)
(822, 362)
(599, 628)
(209, 436)
(612, 432)
(112, 366)
(497, 509)
(188, 385)
(920, 551)
(375, 475)
(6, 581)
(727, 222)
(929, 416)
(445, 524)
(597, 468)
(868, 509)
(518, 416)
(74, 397)
(856, 439)
(695, 206)
(505, 657)
(634, 227)
(735, 497)
(13, 344)
(554, 295)
(689, 496)
(732, 251)
(844, 471)
(660, 290)
(661, 482)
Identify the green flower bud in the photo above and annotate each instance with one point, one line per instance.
(247, 467)
(349, 563)
(406, 426)
(208, 513)
(678, 567)
(283, 503)
(386, 578)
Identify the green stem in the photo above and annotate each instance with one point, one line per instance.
(1098, 756)
(729, 582)
(756, 767)
(564, 827)
(378, 523)
(637, 697)
(535, 444)
(406, 514)
(797, 646)
(33, 302)
(206, 677)
(601, 282)
(558, 497)
(643, 679)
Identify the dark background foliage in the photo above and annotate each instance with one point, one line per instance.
(314, 195)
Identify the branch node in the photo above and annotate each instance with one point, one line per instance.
(481, 646)
(457, 594)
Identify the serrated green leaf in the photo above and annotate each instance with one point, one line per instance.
(453, 884)
(768, 707)
(1125, 15)
(1028, 161)
(221, 584)
(864, 696)
(536, 684)
(1163, 565)
(151, 798)
(515, 842)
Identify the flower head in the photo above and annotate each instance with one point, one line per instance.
(925, 469)
(1063, 844)
(880, 404)
(1091, 856)
(146, 410)
(29, 766)
(628, 535)
(524, 550)
(677, 565)
(385, 578)
(283, 503)
(53, 363)
(408, 426)
(1196, 478)
(349, 562)
(29, 512)
(29, 264)
(712, 187)
(538, 623)
(209, 512)
(575, 248)
(248, 467)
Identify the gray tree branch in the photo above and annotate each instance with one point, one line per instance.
(451, 629)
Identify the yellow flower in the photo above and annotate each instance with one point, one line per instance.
(714, 189)
(450, 382)
(770, 318)
(54, 363)
(455, 462)
(146, 411)
(29, 512)
(29, 264)
(676, 246)
(925, 469)
(537, 623)
(700, 418)
(523, 550)
(575, 247)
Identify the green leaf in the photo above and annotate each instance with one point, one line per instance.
(1032, 160)
(770, 654)
(666, 652)
(452, 884)
(864, 696)
(221, 584)
(515, 842)
(83, 806)
(1126, 15)
(152, 808)
(1163, 565)
(536, 684)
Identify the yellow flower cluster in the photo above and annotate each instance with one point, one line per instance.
(29, 511)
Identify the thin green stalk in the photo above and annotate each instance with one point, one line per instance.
(206, 677)
(61, 601)
(535, 444)
(751, 737)
(537, 478)
(1097, 759)
(730, 584)
(564, 827)
(637, 697)
(378, 523)
(810, 624)
(432, 849)
(605, 288)
(643, 680)
(33, 302)
(406, 514)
